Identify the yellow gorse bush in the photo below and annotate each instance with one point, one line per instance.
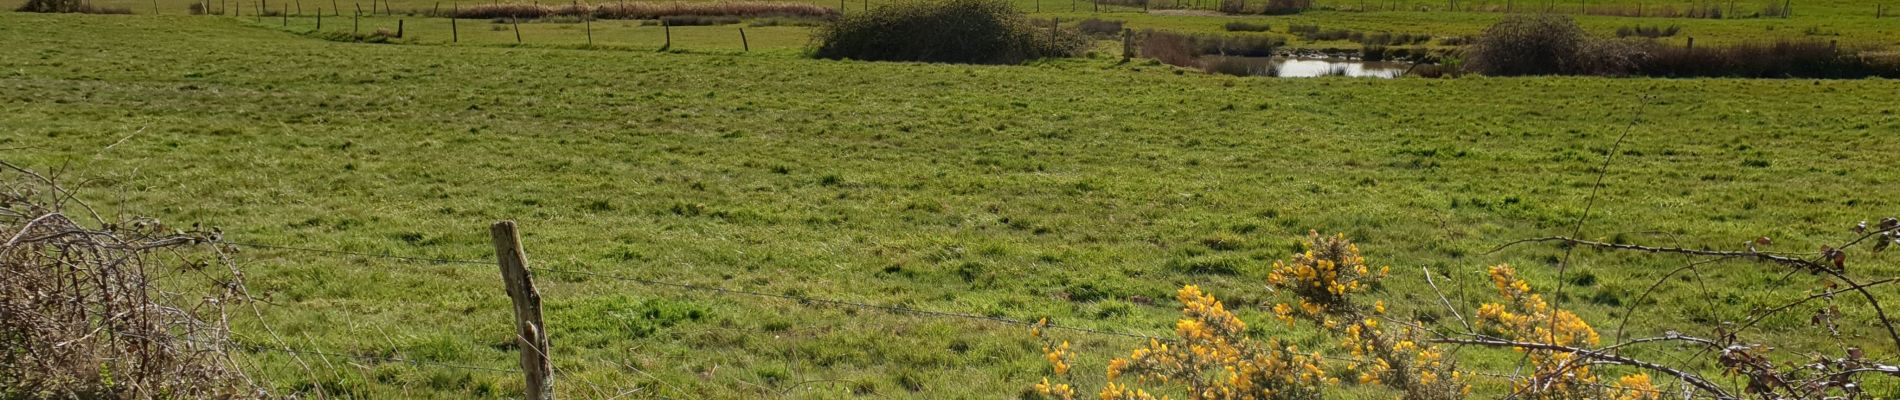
(1215, 359)
(1325, 279)
(1555, 374)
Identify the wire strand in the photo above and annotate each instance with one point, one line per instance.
(885, 308)
(352, 253)
(289, 350)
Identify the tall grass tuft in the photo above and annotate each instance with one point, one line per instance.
(952, 31)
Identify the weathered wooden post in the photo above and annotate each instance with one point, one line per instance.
(743, 43)
(531, 335)
(668, 29)
(590, 29)
(455, 35)
(1691, 43)
(399, 29)
(517, 23)
(319, 19)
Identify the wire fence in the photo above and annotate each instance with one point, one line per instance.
(803, 300)
(1507, 380)
(588, 386)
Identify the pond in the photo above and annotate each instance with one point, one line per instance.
(1303, 67)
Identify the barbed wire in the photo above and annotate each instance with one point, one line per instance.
(298, 351)
(720, 290)
(353, 253)
(878, 307)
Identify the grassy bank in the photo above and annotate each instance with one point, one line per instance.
(1068, 189)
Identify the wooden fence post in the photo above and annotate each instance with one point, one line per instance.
(668, 28)
(590, 28)
(455, 35)
(743, 43)
(399, 29)
(530, 333)
(319, 19)
(299, 7)
(517, 23)
(334, 10)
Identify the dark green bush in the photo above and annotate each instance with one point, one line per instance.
(951, 31)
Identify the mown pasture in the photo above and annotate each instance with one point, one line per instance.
(1071, 189)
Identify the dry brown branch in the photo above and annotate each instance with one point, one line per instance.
(1832, 254)
(85, 316)
(1692, 379)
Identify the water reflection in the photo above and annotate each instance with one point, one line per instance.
(1302, 67)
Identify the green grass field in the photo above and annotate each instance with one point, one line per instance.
(1849, 22)
(1063, 189)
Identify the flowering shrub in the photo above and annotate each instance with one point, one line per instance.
(1555, 374)
(1326, 284)
(1325, 278)
(1213, 360)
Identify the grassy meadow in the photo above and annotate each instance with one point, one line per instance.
(1069, 189)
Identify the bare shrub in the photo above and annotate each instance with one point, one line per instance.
(955, 31)
(69, 6)
(1648, 31)
(1524, 44)
(1240, 26)
(88, 311)
(1286, 7)
(1099, 27)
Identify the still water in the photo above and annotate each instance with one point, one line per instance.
(1302, 67)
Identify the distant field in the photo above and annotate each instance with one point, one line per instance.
(1062, 189)
(1850, 22)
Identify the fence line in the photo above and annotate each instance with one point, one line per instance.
(802, 300)
(353, 253)
(877, 307)
(334, 355)
(688, 286)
